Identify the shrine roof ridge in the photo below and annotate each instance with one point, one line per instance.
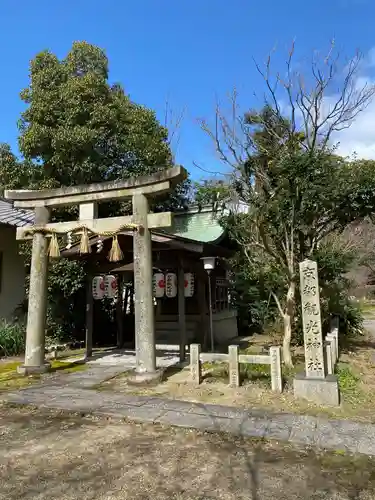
(173, 175)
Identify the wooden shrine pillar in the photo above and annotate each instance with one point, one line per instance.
(181, 311)
(119, 313)
(89, 211)
(89, 317)
(202, 301)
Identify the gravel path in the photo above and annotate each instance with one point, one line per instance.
(50, 455)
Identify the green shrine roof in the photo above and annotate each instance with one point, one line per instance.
(198, 225)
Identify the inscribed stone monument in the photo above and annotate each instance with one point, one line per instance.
(314, 385)
(311, 320)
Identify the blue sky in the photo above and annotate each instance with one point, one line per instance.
(188, 52)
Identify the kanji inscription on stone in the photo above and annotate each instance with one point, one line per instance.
(311, 320)
(195, 365)
(234, 368)
(276, 376)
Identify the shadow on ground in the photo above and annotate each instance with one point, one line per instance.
(48, 454)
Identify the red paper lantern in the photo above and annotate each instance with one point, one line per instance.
(189, 284)
(98, 287)
(110, 286)
(158, 285)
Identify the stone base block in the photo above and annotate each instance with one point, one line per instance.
(145, 378)
(322, 391)
(33, 370)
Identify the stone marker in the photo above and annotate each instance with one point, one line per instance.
(195, 364)
(234, 367)
(276, 377)
(314, 385)
(311, 320)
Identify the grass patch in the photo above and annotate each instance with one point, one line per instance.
(255, 373)
(11, 379)
(367, 307)
(9, 367)
(348, 380)
(350, 384)
(12, 338)
(57, 366)
(248, 372)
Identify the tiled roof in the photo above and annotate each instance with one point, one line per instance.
(13, 216)
(203, 224)
(198, 225)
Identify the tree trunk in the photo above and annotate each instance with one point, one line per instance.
(288, 323)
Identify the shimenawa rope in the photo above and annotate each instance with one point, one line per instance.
(115, 254)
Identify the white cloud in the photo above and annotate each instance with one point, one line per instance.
(359, 138)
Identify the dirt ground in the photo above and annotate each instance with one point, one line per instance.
(50, 455)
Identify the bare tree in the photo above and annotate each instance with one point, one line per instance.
(312, 107)
(172, 122)
(301, 114)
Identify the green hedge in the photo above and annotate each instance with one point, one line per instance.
(12, 338)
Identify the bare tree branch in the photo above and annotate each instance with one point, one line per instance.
(173, 122)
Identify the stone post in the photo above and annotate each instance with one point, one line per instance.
(144, 307)
(315, 385)
(234, 367)
(37, 306)
(330, 338)
(195, 364)
(276, 376)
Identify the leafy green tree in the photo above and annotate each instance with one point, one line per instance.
(14, 173)
(305, 199)
(81, 128)
(213, 192)
(78, 128)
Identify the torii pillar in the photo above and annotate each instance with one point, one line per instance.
(139, 189)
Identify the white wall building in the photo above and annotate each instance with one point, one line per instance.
(12, 268)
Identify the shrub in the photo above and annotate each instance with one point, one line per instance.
(12, 338)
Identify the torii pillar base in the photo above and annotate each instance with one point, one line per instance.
(33, 370)
(146, 378)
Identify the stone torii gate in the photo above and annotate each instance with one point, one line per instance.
(87, 197)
